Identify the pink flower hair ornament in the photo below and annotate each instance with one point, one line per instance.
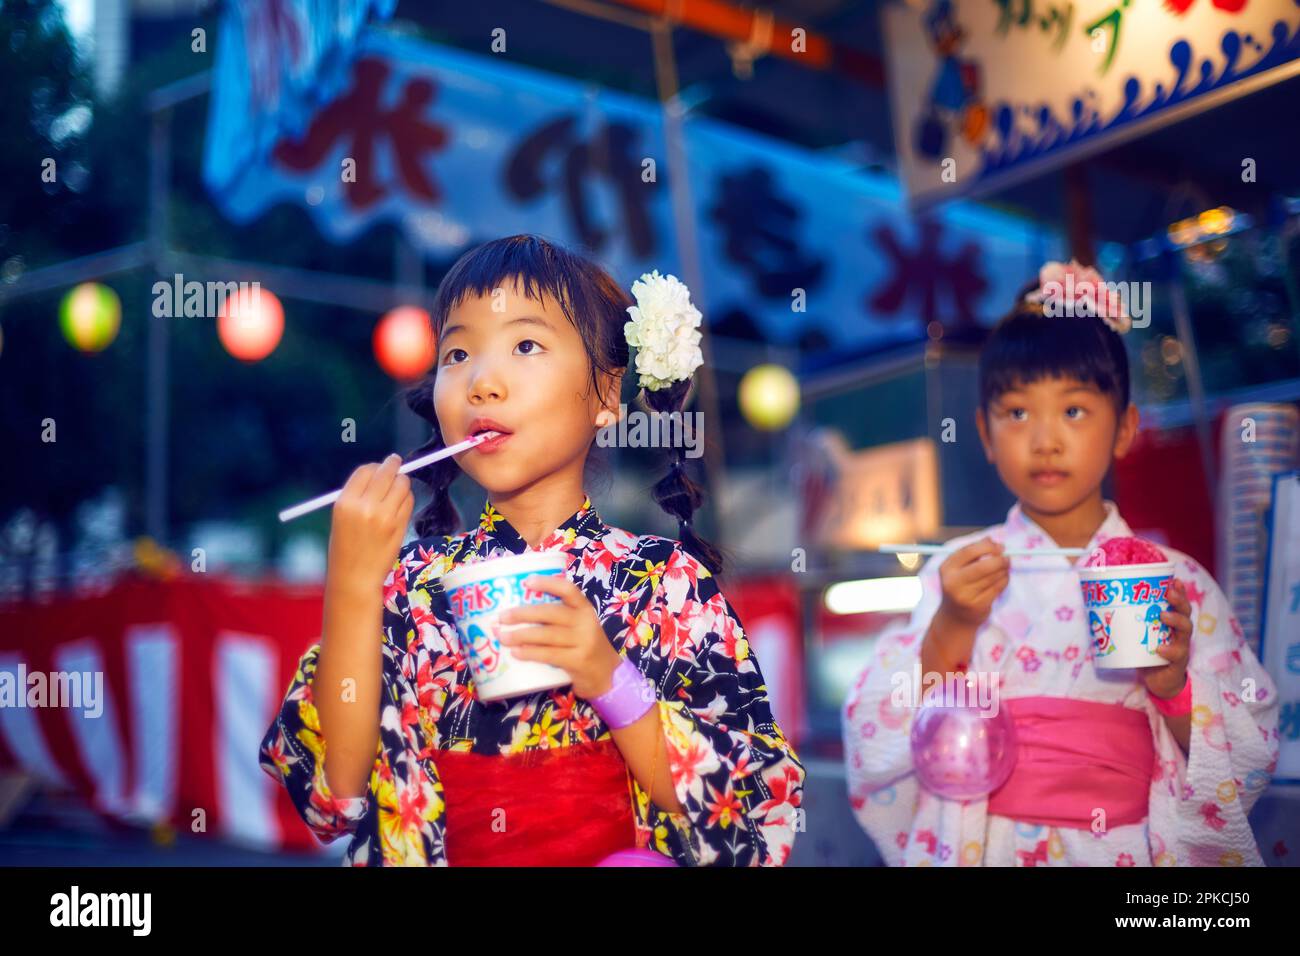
(1069, 288)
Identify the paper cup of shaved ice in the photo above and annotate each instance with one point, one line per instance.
(477, 593)
(1125, 585)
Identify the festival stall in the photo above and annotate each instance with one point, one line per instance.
(990, 97)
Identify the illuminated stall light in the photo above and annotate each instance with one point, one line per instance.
(1216, 222)
(909, 560)
(1203, 237)
(876, 595)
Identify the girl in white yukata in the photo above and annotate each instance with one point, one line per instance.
(1173, 756)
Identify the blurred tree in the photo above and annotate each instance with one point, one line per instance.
(47, 110)
(50, 390)
(246, 439)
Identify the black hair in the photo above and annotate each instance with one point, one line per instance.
(597, 306)
(1026, 345)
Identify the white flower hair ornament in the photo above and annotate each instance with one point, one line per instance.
(1069, 288)
(664, 330)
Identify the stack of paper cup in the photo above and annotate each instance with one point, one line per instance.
(1258, 441)
(478, 593)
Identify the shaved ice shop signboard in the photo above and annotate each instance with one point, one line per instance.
(989, 92)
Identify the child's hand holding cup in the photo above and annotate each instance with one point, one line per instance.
(478, 593)
(1126, 593)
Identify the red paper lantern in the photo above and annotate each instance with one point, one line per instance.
(404, 343)
(251, 323)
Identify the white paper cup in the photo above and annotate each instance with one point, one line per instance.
(477, 594)
(1123, 603)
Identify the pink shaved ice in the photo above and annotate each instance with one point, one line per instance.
(1114, 551)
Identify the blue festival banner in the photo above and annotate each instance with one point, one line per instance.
(276, 62)
(458, 148)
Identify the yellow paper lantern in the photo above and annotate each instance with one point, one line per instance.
(251, 323)
(90, 315)
(769, 397)
(404, 343)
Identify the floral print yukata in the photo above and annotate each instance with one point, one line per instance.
(1036, 638)
(737, 778)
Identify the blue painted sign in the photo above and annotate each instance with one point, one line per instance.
(986, 93)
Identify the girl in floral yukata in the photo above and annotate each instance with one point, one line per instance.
(665, 741)
(1173, 756)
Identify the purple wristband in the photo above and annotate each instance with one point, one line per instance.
(627, 700)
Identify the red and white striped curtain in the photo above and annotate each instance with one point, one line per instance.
(191, 672)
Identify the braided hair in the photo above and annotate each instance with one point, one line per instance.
(439, 516)
(597, 307)
(675, 492)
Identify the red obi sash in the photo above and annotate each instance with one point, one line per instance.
(564, 806)
(1076, 756)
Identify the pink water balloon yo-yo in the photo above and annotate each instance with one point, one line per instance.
(640, 856)
(961, 752)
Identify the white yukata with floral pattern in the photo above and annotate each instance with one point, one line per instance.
(1036, 638)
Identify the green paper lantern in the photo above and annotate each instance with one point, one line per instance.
(90, 316)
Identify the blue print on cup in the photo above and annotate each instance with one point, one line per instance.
(1124, 609)
(471, 603)
(484, 652)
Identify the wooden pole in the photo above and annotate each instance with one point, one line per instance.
(1078, 214)
(679, 184)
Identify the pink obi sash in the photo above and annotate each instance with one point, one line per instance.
(1073, 757)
